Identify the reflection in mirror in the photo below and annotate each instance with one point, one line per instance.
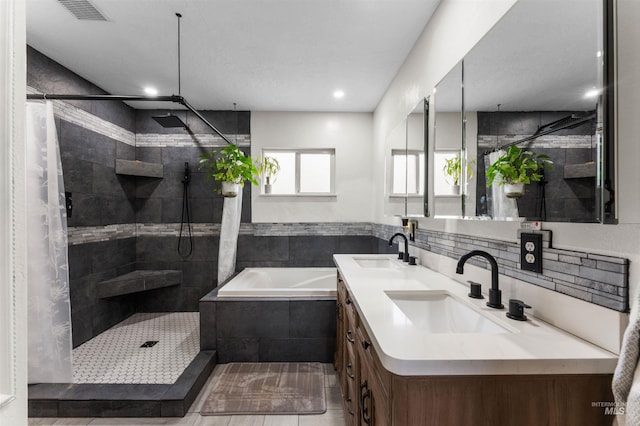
(396, 171)
(447, 146)
(415, 160)
(536, 82)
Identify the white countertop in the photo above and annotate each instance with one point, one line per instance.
(528, 347)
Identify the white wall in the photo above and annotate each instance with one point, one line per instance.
(13, 296)
(454, 28)
(351, 136)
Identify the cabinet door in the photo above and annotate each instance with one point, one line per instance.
(373, 403)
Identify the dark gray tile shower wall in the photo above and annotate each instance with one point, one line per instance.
(160, 200)
(89, 264)
(48, 76)
(100, 197)
(227, 122)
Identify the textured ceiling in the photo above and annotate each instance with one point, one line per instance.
(264, 55)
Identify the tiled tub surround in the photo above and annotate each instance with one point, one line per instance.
(268, 329)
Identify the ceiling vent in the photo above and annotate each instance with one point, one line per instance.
(83, 9)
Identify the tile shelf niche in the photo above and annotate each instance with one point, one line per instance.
(139, 168)
(137, 281)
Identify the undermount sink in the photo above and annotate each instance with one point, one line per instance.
(437, 312)
(375, 262)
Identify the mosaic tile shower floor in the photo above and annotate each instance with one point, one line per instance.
(115, 356)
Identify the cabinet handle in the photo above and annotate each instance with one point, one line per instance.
(349, 373)
(349, 338)
(366, 415)
(366, 345)
(349, 407)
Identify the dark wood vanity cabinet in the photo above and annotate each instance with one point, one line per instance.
(345, 358)
(374, 396)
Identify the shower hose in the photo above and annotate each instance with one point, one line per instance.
(185, 248)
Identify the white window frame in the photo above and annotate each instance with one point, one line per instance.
(298, 152)
(406, 153)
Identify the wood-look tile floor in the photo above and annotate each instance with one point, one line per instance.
(333, 417)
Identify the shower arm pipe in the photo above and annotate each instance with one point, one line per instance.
(195, 112)
(543, 133)
(173, 98)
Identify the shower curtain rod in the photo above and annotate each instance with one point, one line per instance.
(543, 133)
(173, 98)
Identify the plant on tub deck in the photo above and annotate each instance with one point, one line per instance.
(231, 167)
(269, 168)
(515, 168)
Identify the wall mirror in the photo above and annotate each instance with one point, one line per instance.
(415, 159)
(395, 171)
(535, 83)
(447, 155)
(405, 165)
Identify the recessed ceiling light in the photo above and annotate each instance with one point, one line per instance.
(151, 91)
(338, 94)
(592, 93)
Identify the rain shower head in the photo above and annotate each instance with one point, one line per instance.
(170, 120)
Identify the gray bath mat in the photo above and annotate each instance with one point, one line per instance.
(267, 388)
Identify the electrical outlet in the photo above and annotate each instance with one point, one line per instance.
(531, 252)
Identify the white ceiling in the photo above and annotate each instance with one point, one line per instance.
(264, 55)
(541, 56)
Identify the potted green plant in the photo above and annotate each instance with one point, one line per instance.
(269, 168)
(515, 168)
(453, 169)
(231, 167)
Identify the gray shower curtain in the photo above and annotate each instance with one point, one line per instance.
(49, 321)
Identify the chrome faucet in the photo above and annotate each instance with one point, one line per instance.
(406, 245)
(495, 294)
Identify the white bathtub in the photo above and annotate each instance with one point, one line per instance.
(281, 282)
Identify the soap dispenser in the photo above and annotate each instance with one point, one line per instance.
(516, 310)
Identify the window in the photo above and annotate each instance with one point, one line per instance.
(407, 172)
(302, 171)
